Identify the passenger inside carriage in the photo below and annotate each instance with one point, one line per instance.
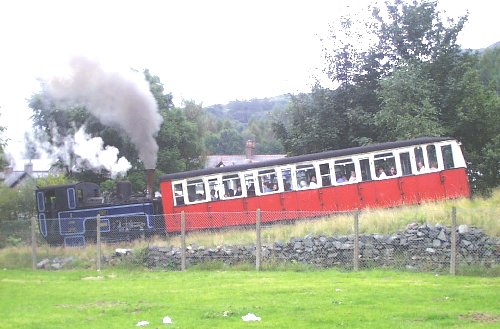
(381, 172)
(251, 190)
(238, 191)
(340, 177)
(313, 183)
(352, 178)
(420, 166)
(392, 172)
(213, 196)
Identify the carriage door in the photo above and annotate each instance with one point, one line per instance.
(366, 190)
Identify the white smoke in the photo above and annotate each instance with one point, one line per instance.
(80, 151)
(117, 99)
(91, 152)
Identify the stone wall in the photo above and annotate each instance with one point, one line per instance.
(420, 247)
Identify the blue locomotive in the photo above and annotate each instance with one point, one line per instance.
(67, 213)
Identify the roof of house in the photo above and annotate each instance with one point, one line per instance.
(13, 178)
(34, 168)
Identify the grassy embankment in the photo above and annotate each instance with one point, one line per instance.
(478, 212)
(215, 299)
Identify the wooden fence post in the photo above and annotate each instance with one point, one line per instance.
(98, 241)
(33, 243)
(356, 242)
(453, 249)
(258, 242)
(183, 241)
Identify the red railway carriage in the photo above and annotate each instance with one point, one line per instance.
(380, 175)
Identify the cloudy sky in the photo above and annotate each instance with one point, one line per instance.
(207, 51)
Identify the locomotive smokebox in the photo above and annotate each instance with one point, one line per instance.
(150, 176)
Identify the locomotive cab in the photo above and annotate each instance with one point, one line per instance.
(53, 199)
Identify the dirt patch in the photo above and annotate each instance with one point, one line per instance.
(481, 317)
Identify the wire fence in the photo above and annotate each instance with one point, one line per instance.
(437, 240)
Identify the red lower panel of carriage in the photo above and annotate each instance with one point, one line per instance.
(290, 205)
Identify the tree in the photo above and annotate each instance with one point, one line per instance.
(261, 131)
(489, 67)
(414, 81)
(3, 142)
(407, 109)
(312, 123)
(179, 142)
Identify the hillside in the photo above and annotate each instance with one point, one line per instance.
(244, 111)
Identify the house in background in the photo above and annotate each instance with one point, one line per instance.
(12, 176)
(232, 160)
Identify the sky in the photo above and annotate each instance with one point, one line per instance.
(210, 52)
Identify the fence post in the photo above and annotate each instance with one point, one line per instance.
(453, 249)
(98, 241)
(183, 241)
(258, 242)
(356, 242)
(33, 243)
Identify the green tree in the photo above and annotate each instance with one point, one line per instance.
(8, 203)
(261, 131)
(413, 81)
(408, 110)
(3, 143)
(489, 67)
(179, 143)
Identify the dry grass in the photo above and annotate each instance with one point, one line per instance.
(483, 213)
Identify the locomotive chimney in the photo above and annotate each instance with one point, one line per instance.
(150, 175)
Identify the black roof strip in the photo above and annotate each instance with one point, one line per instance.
(305, 157)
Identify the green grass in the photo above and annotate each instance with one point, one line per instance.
(283, 299)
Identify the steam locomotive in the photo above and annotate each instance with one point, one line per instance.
(67, 213)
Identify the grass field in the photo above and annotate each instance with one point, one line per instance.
(218, 299)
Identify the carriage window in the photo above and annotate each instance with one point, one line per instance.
(213, 187)
(306, 176)
(286, 174)
(432, 157)
(343, 170)
(405, 161)
(419, 159)
(196, 190)
(324, 170)
(178, 194)
(366, 174)
(250, 184)
(385, 165)
(232, 185)
(268, 181)
(447, 156)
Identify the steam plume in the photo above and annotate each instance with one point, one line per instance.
(120, 100)
(91, 152)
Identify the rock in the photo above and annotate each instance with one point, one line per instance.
(43, 263)
(462, 229)
(442, 236)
